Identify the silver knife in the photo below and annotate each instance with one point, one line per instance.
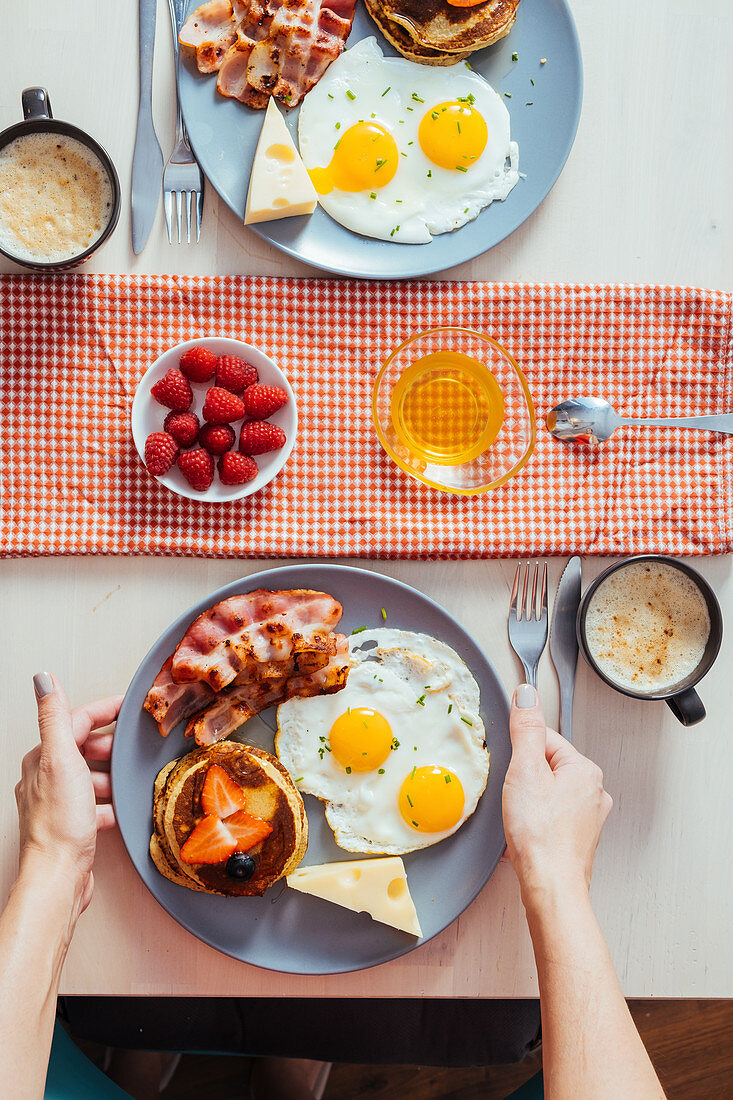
(147, 161)
(564, 641)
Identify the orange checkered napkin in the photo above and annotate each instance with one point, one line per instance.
(75, 346)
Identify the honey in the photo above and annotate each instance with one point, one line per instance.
(447, 408)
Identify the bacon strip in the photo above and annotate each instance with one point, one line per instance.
(256, 626)
(268, 47)
(170, 703)
(237, 705)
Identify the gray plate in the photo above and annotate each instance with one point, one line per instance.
(285, 930)
(224, 136)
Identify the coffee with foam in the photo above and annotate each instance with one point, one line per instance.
(647, 626)
(56, 198)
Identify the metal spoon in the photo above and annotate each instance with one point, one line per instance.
(593, 420)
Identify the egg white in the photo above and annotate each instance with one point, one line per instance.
(391, 671)
(422, 199)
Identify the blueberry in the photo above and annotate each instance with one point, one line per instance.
(241, 866)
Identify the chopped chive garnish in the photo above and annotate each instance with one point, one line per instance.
(358, 630)
(389, 89)
(399, 201)
(373, 115)
(508, 95)
(350, 94)
(373, 195)
(465, 211)
(450, 707)
(381, 771)
(447, 778)
(416, 825)
(412, 773)
(348, 771)
(468, 65)
(529, 103)
(467, 721)
(470, 99)
(430, 174)
(409, 108)
(321, 738)
(421, 701)
(410, 143)
(531, 80)
(459, 127)
(434, 114)
(461, 168)
(384, 614)
(395, 743)
(381, 161)
(515, 57)
(330, 96)
(320, 752)
(403, 153)
(338, 125)
(300, 780)
(417, 98)
(337, 143)
(410, 800)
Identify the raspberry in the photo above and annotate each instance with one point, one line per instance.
(216, 438)
(262, 401)
(183, 427)
(234, 374)
(236, 469)
(173, 390)
(197, 467)
(198, 364)
(161, 451)
(221, 406)
(259, 436)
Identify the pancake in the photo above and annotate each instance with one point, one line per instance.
(270, 794)
(406, 44)
(437, 25)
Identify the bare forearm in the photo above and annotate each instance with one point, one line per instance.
(591, 1047)
(35, 930)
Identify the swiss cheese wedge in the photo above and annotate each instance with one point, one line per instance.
(375, 886)
(279, 186)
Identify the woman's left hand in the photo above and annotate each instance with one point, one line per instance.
(61, 803)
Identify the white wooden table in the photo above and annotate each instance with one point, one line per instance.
(645, 197)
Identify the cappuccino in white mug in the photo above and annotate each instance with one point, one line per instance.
(647, 626)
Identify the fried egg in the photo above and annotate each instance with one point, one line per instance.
(401, 151)
(398, 756)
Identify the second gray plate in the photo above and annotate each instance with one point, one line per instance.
(285, 930)
(544, 116)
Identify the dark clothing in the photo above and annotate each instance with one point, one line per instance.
(380, 1031)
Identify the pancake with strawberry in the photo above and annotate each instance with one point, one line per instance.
(227, 819)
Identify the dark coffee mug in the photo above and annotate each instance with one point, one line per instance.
(39, 119)
(682, 699)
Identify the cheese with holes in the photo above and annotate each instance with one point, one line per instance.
(279, 186)
(375, 886)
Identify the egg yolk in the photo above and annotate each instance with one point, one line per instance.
(360, 739)
(453, 135)
(432, 799)
(366, 157)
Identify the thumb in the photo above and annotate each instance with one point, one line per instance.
(54, 713)
(527, 726)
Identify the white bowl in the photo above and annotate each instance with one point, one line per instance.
(147, 416)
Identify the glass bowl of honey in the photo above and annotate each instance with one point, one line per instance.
(453, 409)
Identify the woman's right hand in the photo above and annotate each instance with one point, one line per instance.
(554, 803)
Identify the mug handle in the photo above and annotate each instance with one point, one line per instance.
(36, 103)
(687, 707)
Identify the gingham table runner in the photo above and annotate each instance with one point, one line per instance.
(74, 347)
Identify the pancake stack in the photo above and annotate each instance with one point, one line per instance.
(434, 32)
(269, 795)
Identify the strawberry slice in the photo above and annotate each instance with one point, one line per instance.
(247, 830)
(221, 795)
(210, 842)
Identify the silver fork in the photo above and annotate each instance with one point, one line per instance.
(183, 179)
(528, 618)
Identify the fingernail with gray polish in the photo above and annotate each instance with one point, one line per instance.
(526, 696)
(42, 684)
